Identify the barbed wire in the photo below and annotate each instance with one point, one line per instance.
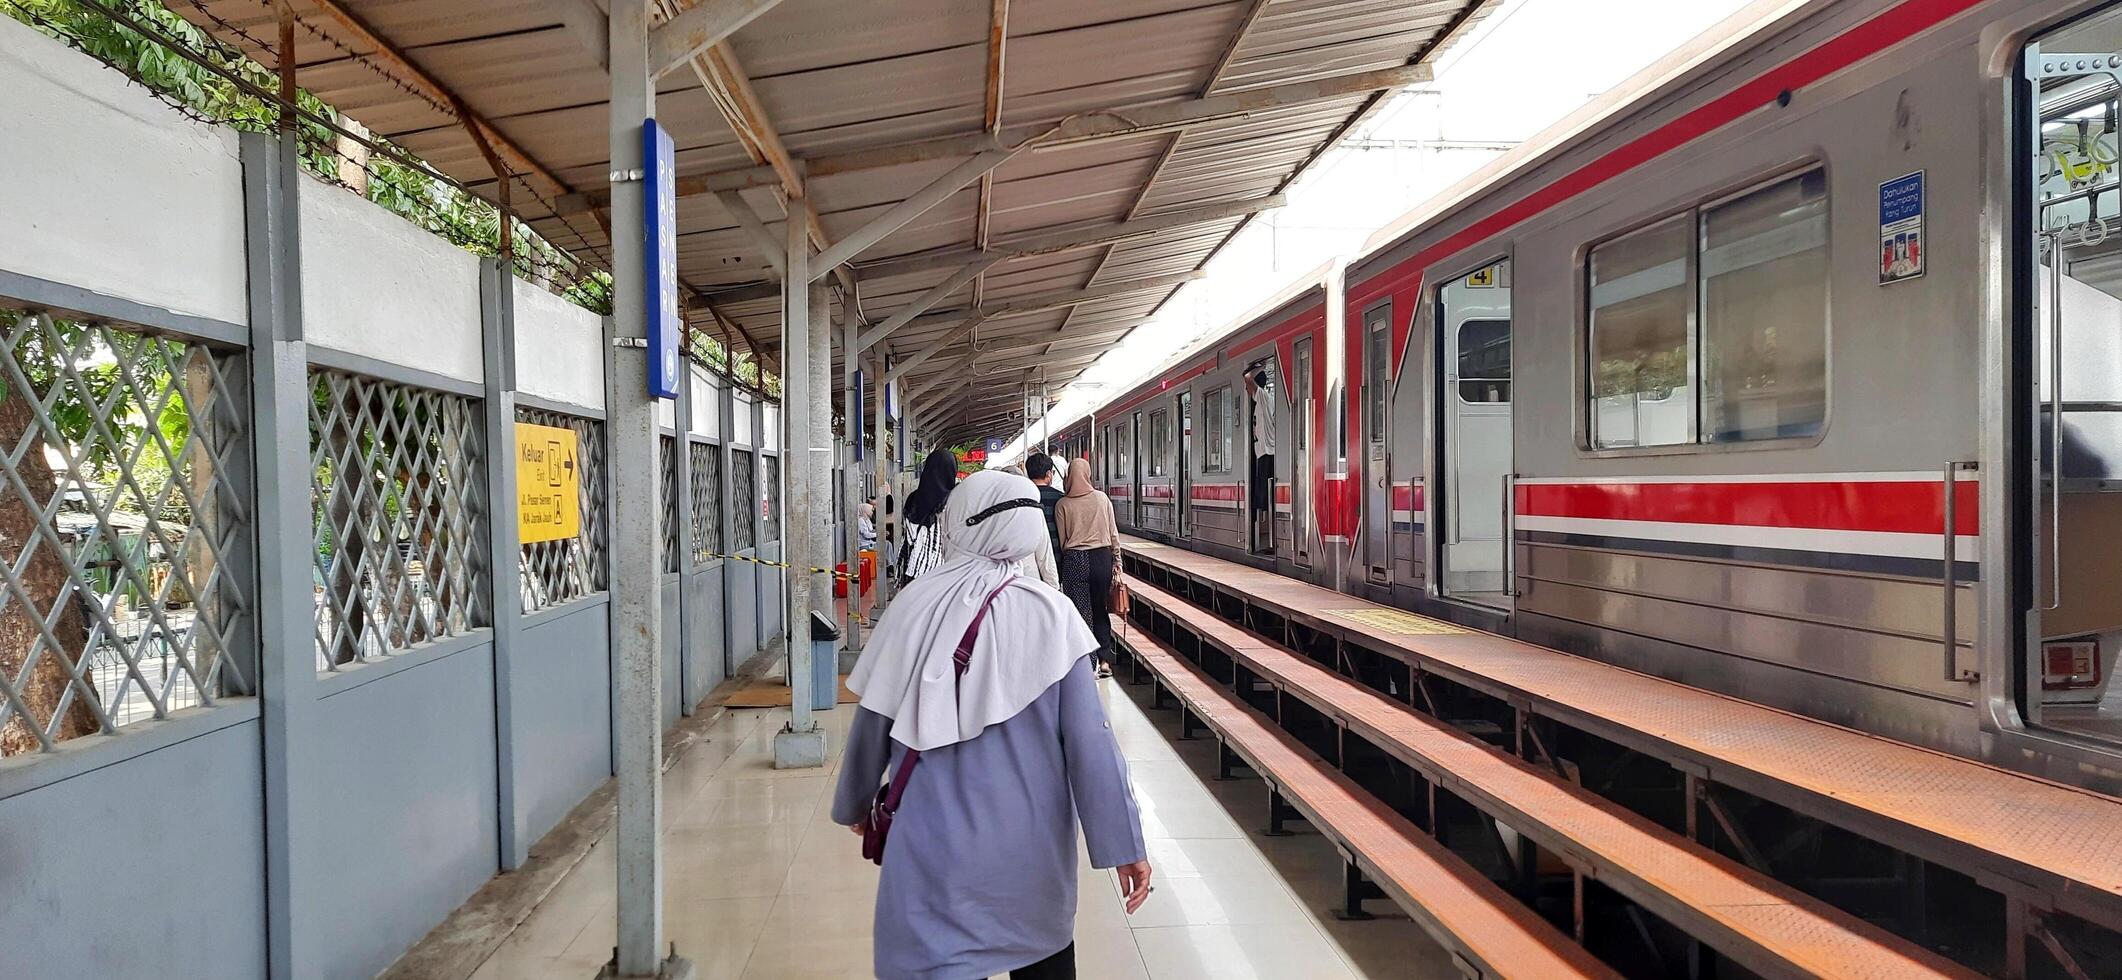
(329, 149)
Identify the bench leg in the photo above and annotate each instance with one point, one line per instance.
(1225, 759)
(1156, 695)
(1278, 811)
(1186, 724)
(1355, 890)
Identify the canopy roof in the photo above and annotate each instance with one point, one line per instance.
(1124, 109)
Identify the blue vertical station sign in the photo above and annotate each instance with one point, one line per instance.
(660, 235)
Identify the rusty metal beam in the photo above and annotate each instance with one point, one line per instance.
(1068, 239)
(997, 42)
(697, 28)
(433, 89)
(1082, 127)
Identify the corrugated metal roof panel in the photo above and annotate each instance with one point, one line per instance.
(831, 77)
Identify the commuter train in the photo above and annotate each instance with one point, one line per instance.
(1738, 376)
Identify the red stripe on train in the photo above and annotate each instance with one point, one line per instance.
(1888, 28)
(1908, 507)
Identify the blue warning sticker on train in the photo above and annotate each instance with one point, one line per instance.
(1901, 228)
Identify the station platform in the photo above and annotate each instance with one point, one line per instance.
(761, 884)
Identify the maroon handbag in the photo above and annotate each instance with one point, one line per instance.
(878, 824)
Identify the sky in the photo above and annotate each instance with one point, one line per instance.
(1524, 68)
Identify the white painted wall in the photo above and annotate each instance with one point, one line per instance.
(107, 189)
(376, 285)
(559, 348)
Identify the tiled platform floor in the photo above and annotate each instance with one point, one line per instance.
(760, 884)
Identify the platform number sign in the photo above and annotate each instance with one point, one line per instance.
(661, 239)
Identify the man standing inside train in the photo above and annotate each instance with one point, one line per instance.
(1262, 497)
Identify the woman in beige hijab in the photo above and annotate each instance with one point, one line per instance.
(1090, 556)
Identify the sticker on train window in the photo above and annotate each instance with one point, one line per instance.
(1901, 228)
(1397, 622)
(1482, 279)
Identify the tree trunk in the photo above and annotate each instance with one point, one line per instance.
(44, 579)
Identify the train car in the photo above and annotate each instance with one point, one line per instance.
(1739, 376)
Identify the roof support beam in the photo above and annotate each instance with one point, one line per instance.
(588, 23)
(896, 217)
(1049, 302)
(903, 368)
(748, 219)
(1071, 239)
(695, 30)
(438, 93)
(950, 381)
(921, 304)
(1084, 127)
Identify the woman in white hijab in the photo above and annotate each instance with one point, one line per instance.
(1013, 751)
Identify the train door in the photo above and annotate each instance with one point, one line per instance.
(1300, 453)
(2073, 630)
(1474, 436)
(1262, 407)
(1182, 482)
(1377, 490)
(1134, 470)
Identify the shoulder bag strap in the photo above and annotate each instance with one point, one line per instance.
(961, 659)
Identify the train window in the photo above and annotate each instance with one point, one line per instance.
(1216, 431)
(1484, 361)
(1642, 351)
(1764, 312)
(1159, 443)
(1711, 325)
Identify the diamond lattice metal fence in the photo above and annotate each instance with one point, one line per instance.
(744, 499)
(707, 501)
(399, 509)
(667, 457)
(554, 572)
(125, 528)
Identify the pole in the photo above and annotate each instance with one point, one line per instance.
(636, 538)
(883, 462)
(801, 745)
(851, 474)
(819, 457)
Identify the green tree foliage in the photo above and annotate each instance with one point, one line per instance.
(414, 192)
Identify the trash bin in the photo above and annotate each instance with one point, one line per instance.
(824, 662)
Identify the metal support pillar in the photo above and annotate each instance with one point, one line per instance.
(820, 457)
(801, 745)
(286, 666)
(681, 477)
(497, 308)
(886, 463)
(636, 538)
(851, 476)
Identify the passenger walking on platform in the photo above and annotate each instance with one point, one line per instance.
(1040, 467)
(1090, 556)
(1013, 751)
(923, 550)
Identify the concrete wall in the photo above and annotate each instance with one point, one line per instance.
(149, 867)
(404, 830)
(559, 348)
(110, 191)
(146, 854)
(375, 285)
(563, 699)
(706, 649)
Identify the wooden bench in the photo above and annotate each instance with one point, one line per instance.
(1489, 933)
(2040, 844)
(1763, 925)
